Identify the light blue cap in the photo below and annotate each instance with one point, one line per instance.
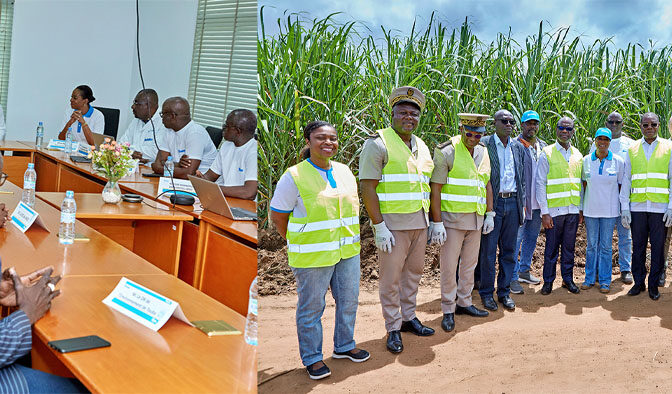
(530, 115)
(603, 131)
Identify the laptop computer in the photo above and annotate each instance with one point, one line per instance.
(212, 199)
(100, 138)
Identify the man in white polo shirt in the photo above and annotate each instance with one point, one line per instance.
(235, 167)
(186, 141)
(139, 132)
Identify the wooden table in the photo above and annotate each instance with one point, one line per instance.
(16, 164)
(149, 229)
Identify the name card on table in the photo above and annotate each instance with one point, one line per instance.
(24, 216)
(143, 305)
(60, 145)
(182, 186)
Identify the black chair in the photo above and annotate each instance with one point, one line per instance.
(215, 135)
(111, 116)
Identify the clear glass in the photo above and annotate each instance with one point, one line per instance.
(111, 192)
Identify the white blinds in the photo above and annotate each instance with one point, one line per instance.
(224, 63)
(6, 17)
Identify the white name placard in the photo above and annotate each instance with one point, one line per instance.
(60, 145)
(143, 305)
(24, 216)
(183, 186)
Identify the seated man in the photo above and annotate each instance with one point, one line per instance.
(235, 167)
(139, 132)
(187, 142)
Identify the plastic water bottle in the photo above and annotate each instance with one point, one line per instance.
(168, 166)
(68, 141)
(39, 135)
(251, 323)
(66, 232)
(29, 179)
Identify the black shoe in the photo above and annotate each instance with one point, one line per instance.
(416, 328)
(489, 303)
(359, 357)
(654, 294)
(626, 277)
(663, 275)
(507, 302)
(547, 288)
(320, 373)
(448, 322)
(571, 286)
(636, 289)
(471, 311)
(394, 344)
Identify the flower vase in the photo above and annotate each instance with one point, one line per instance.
(111, 192)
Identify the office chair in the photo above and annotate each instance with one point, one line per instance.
(111, 116)
(215, 135)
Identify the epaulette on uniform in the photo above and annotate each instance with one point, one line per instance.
(444, 144)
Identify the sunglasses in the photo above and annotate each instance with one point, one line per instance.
(568, 128)
(614, 121)
(507, 121)
(645, 125)
(475, 135)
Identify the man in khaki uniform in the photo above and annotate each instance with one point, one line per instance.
(394, 170)
(461, 195)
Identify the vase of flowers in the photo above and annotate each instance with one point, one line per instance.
(112, 160)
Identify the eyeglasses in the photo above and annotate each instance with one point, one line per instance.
(163, 114)
(3, 178)
(568, 128)
(475, 135)
(507, 121)
(614, 121)
(646, 125)
(136, 102)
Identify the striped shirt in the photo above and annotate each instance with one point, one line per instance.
(15, 342)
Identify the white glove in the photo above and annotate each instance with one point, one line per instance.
(437, 232)
(489, 222)
(667, 218)
(626, 218)
(383, 236)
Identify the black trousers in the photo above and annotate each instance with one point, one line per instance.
(561, 237)
(645, 227)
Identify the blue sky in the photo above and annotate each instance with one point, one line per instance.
(625, 21)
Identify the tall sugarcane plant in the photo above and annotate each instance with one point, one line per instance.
(342, 73)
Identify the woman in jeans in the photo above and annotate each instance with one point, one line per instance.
(316, 208)
(602, 175)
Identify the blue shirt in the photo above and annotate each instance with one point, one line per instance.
(507, 174)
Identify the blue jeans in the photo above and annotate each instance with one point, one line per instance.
(311, 286)
(624, 247)
(527, 243)
(599, 234)
(42, 382)
(502, 236)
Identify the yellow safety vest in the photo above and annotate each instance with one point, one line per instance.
(649, 177)
(330, 231)
(465, 190)
(404, 187)
(563, 181)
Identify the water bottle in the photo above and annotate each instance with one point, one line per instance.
(66, 232)
(29, 179)
(251, 323)
(68, 141)
(168, 166)
(39, 135)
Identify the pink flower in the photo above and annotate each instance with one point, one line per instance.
(117, 153)
(127, 144)
(107, 139)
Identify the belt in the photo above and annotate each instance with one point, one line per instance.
(507, 195)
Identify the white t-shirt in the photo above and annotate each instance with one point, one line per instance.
(95, 120)
(287, 197)
(139, 134)
(192, 140)
(235, 165)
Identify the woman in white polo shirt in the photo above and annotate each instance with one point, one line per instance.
(601, 175)
(82, 118)
(316, 208)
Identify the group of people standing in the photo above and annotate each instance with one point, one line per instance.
(476, 195)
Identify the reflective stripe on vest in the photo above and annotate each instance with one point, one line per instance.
(563, 182)
(649, 177)
(330, 231)
(465, 191)
(404, 186)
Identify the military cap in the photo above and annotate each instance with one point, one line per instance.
(473, 122)
(407, 94)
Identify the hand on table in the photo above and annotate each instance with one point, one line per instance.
(35, 300)
(7, 293)
(185, 161)
(4, 214)
(136, 155)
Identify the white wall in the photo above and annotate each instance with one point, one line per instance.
(57, 45)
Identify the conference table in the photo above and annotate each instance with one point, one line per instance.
(176, 358)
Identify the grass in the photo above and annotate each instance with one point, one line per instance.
(322, 69)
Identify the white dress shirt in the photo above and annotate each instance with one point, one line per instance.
(542, 173)
(507, 174)
(600, 198)
(645, 206)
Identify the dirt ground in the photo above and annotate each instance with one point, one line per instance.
(557, 343)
